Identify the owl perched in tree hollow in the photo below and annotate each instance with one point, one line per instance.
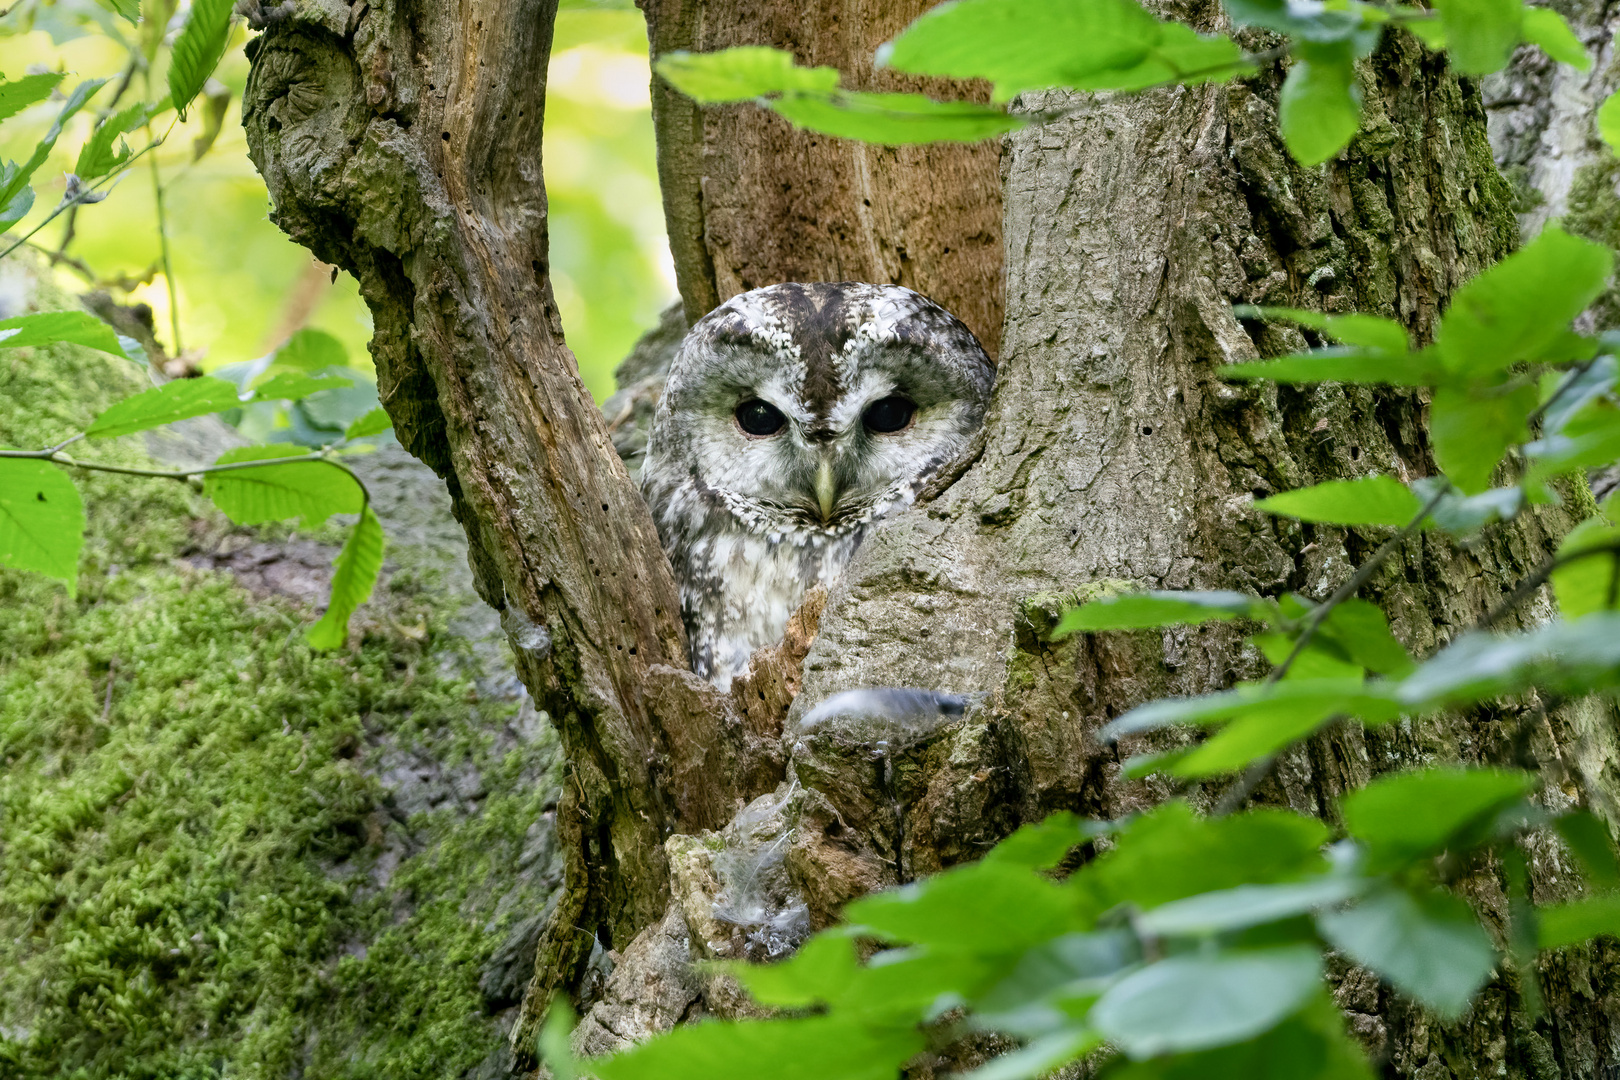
(794, 417)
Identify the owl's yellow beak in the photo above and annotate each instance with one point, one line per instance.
(826, 489)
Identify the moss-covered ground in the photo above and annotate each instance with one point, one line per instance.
(202, 872)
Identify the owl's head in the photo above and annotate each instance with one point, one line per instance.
(817, 406)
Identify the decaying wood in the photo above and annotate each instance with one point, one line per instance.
(751, 201)
(400, 140)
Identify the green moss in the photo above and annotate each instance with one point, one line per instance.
(198, 869)
(1594, 213)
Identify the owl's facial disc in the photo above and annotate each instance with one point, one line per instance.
(819, 407)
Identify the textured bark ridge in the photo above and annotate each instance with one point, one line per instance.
(751, 201)
(401, 142)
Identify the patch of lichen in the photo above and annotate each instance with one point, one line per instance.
(1594, 213)
(192, 871)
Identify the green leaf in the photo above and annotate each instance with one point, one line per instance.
(15, 179)
(1566, 657)
(1370, 500)
(165, 404)
(1410, 815)
(290, 385)
(1546, 28)
(1591, 583)
(358, 565)
(128, 10)
(1370, 332)
(216, 102)
(1352, 696)
(1052, 969)
(374, 422)
(310, 350)
(1319, 109)
(49, 327)
(1191, 1002)
(98, 157)
(1608, 121)
(1171, 853)
(1311, 1044)
(41, 520)
(310, 490)
(1471, 430)
(1361, 632)
(1138, 611)
(1428, 946)
(813, 1048)
(1025, 44)
(1460, 514)
(739, 74)
(197, 51)
(1244, 906)
(985, 907)
(1346, 365)
(555, 1050)
(818, 973)
(1480, 34)
(894, 119)
(1571, 924)
(1523, 305)
(17, 94)
(1042, 845)
(1258, 734)
(1565, 394)
(1589, 838)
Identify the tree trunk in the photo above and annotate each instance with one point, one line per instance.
(402, 148)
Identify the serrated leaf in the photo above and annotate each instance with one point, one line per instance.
(894, 119)
(309, 490)
(17, 94)
(1524, 304)
(291, 385)
(1590, 583)
(99, 156)
(15, 179)
(1571, 924)
(1191, 1002)
(197, 51)
(813, 1048)
(1429, 946)
(1471, 430)
(1480, 34)
(1319, 109)
(1547, 29)
(1410, 815)
(41, 520)
(165, 404)
(49, 327)
(1137, 611)
(374, 422)
(1370, 500)
(358, 565)
(740, 74)
(984, 907)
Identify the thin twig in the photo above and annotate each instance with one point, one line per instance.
(1541, 410)
(1362, 575)
(85, 193)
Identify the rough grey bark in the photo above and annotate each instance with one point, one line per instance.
(1112, 455)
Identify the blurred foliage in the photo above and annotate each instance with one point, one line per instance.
(243, 287)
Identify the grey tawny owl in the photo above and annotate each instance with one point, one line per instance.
(794, 417)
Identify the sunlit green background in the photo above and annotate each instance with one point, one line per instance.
(243, 287)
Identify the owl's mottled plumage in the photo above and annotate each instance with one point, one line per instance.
(750, 521)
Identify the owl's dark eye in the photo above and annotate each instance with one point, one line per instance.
(888, 414)
(760, 417)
